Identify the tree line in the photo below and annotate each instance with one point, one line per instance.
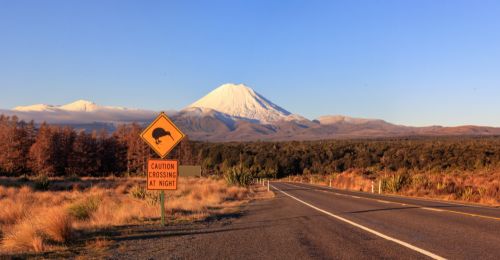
(61, 151)
(281, 159)
(50, 150)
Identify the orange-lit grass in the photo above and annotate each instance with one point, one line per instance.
(477, 187)
(39, 221)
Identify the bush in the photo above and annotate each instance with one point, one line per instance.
(73, 178)
(467, 194)
(239, 177)
(396, 182)
(41, 183)
(139, 192)
(83, 209)
(23, 178)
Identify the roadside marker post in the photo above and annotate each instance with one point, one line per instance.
(330, 183)
(379, 187)
(267, 185)
(162, 135)
(373, 188)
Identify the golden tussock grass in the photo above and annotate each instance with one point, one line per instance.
(38, 221)
(23, 236)
(477, 187)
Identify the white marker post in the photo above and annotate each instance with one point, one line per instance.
(330, 183)
(379, 187)
(373, 188)
(267, 185)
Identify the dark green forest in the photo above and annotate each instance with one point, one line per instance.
(324, 157)
(26, 149)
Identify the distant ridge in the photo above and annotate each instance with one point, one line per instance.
(77, 106)
(235, 112)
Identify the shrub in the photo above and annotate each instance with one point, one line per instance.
(73, 178)
(239, 177)
(396, 182)
(82, 210)
(467, 194)
(138, 192)
(23, 178)
(41, 183)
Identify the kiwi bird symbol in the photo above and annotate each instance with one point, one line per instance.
(159, 133)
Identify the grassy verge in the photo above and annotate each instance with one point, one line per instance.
(473, 187)
(54, 218)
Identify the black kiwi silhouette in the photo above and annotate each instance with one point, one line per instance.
(159, 133)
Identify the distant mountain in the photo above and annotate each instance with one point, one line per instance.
(235, 112)
(337, 119)
(81, 114)
(77, 106)
(242, 102)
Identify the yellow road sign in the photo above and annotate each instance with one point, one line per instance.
(162, 135)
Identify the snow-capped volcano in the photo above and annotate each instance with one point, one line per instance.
(242, 102)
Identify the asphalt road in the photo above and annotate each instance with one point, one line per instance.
(311, 222)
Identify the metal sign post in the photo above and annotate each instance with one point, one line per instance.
(162, 207)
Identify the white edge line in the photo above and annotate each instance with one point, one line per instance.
(418, 199)
(407, 245)
(433, 209)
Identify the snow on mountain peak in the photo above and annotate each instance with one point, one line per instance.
(77, 106)
(240, 101)
(36, 107)
(80, 106)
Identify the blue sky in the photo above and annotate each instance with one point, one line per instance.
(415, 62)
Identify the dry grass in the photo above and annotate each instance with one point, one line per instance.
(476, 187)
(23, 236)
(98, 244)
(35, 221)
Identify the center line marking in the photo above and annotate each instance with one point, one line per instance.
(407, 245)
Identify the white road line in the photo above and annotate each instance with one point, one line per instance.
(407, 245)
(419, 199)
(420, 206)
(433, 209)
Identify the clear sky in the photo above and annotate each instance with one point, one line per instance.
(415, 62)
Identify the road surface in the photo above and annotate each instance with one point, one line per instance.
(312, 222)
